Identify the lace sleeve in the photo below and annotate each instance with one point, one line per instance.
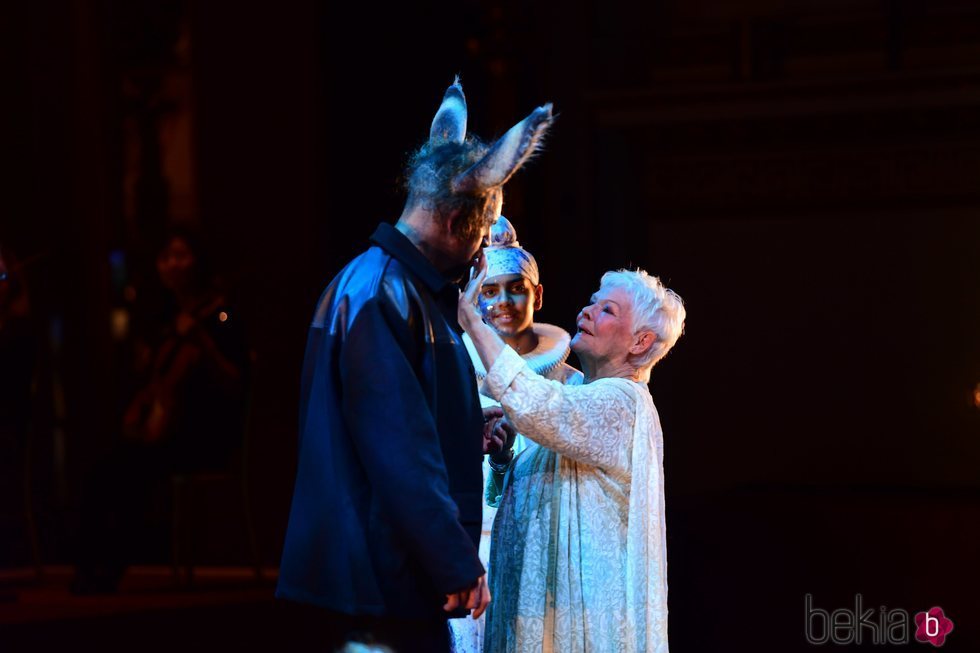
(590, 423)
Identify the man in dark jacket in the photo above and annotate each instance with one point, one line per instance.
(386, 511)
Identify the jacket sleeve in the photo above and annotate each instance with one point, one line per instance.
(396, 439)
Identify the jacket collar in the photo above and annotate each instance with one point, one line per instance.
(399, 246)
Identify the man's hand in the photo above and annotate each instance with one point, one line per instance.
(498, 434)
(505, 434)
(491, 419)
(476, 599)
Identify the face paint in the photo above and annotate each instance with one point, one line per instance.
(507, 303)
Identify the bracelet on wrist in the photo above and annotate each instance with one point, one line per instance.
(501, 467)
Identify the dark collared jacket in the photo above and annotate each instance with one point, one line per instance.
(386, 509)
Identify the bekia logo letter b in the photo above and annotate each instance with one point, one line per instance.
(932, 626)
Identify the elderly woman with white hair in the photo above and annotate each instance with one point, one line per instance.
(578, 556)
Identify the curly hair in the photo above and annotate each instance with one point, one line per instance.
(428, 179)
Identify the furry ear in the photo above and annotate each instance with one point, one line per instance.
(506, 155)
(449, 125)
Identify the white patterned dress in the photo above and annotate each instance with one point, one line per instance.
(548, 360)
(578, 562)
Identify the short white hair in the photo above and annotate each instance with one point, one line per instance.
(655, 308)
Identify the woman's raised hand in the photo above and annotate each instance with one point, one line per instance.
(468, 312)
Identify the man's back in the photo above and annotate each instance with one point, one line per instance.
(390, 446)
(386, 507)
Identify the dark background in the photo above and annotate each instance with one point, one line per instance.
(805, 174)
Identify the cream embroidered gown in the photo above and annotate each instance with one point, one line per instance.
(548, 360)
(578, 556)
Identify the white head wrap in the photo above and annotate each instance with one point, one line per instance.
(506, 256)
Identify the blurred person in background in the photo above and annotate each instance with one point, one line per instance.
(190, 371)
(18, 358)
(18, 349)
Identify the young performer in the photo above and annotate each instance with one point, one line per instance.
(508, 299)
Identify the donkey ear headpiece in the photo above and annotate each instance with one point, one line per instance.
(449, 125)
(504, 157)
(507, 155)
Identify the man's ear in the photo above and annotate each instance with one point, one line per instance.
(449, 220)
(538, 296)
(642, 342)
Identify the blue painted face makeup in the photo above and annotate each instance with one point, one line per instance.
(507, 302)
